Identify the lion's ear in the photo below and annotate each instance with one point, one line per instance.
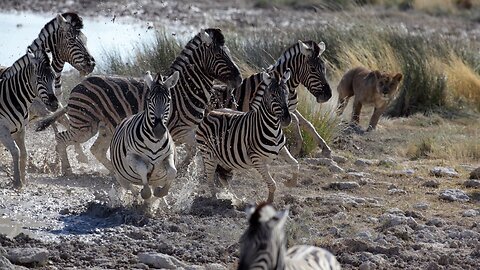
(398, 77)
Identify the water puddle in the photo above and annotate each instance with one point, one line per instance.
(122, 35)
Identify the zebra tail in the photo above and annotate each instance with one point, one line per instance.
(42, 124)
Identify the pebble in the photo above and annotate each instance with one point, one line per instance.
(367, 266)
(421, 206)
(339, 159)
(396, 191)
(472, 183)
(159, 260)
(437, 222)
(475, 174)
(444, 172)
(363, 162)
(470, 213)
(343, 185)
(454, 195)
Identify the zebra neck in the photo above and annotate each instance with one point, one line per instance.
(20, 66)
(193, 80)
(265, 116)
(24, 83)
(47, 40)
(292, 58)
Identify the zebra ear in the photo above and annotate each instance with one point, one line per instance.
(172, 80)
(265, 76)
(61, 20)
(148, 78)
(249, 211)
(286, 75)
(30, 54)
(322, 47)
(305, 49)
(205, 37)
(281, 217)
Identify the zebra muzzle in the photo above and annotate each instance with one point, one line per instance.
(286, 119)
(51, 103)
(159, 129)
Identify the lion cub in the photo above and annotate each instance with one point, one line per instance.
(368, 87)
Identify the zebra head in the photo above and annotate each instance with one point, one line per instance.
(73, 43)
(45, 77)
(158, 101)
(217, 58)
(262, 246)
(276, 95)
(312, 73)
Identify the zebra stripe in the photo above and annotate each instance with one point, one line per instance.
(242, 140)
(29, 76)
(142, 149)
(100, 103)
(263, 245)
(308, 69)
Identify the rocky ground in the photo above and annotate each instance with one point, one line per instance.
(373, 206)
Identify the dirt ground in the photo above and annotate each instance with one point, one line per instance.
(383, 210)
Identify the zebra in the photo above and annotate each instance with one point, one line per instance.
(263, 245)
(29, 76)
(99, 103)
(142, 150)
(243, 140)
(63, 38)
(308, 68)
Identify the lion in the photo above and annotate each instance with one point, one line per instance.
(368, 87)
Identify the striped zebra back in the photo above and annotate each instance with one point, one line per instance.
(263, 245)
(30, 76)
(307, 67)
(63, 38)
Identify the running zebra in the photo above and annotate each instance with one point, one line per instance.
(100, 103)
(243, 140)
(263, 245)
(63, 38)
(308, 69)
(29, 76)
(142, 150)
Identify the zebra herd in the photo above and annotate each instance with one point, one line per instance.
(142, 120)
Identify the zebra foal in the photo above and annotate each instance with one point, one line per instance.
(263, 245)
(244, 140)
(142, 150)
(29, 76)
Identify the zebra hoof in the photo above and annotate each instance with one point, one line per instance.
(146, 193)
(18, 185)
(160, 192)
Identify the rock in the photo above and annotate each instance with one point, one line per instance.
(454, 195)
(470, 213)
(443, 172)
(343, 185)
(406, 172)
(396, 191)
(365, 235)
(159, 260)
(340, 216)
(367, 266)
(431, 184)
(335, 168)
(472, 183)
(475, 174)
(392, 220)
(388, 162)
(363, 162)
(5, 264)
(364, 181)
(27, 255)
(140, 266)
(215, 266)
(437, 222)
(421, 206)
(339, 159)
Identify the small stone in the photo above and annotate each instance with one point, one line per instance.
(421, 206)
(365, 235)
(215, 266)
(367, 266)
(475, 174)
(27, 255)
(406, 172)
(454, 195)
(396, 191)
(472, 183)
(443, 172)
(364, 181)
(343, 185)
(388, 162)
(470, 213)
(363, 162)
(437, 222)
(339, 159)
(335, 168)
(431, 184)
(159, 260)
(340, 216)
(141, 266)
(358, 175)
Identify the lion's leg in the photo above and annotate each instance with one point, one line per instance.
(357, 108)
(375, 117)
(342, 103)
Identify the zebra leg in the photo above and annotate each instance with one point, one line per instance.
(292, 161)
(100, 146)
(297, 133)
(171, 173)
(143, 167)
(190, 148)
(267, 178)
(326, 151)
(19, 138)
(9, 143)
(126, 185)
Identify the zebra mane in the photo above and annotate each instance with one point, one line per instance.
(295, 50)
(18, 65)
(72, 18)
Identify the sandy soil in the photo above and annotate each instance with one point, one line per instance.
(383, 211)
